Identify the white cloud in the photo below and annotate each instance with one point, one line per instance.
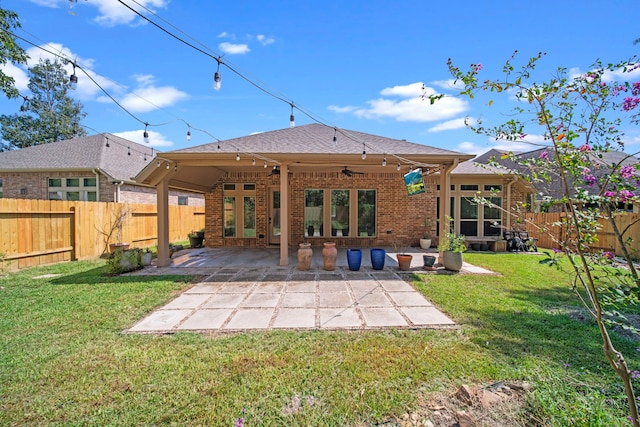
(223, 35)
(452, 124)
(112, 13)
(156, 139)
(20, 77)
(149, 97)
(450, 84)
(469, 148)
(264, 40)
(407, 104)
(234, 49)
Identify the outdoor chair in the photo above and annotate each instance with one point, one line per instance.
(530, 243)
(514, 242)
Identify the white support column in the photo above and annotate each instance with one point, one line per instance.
(284, 214)
(163, 223)
(445, 201)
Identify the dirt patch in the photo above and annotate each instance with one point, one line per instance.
(500, 404)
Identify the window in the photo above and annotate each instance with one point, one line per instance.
(239, 210)
(313, 209)
(493, 188)
(350, 213)
(492, 216)
(339, 212)
(469, 187)
(468, 217)
(183, 200)
(366, 213)
(76, 189)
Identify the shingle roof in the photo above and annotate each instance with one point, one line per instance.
(317, 139)
(83, 153)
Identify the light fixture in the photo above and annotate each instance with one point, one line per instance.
(364, 152)
(168, 165)
(265, 165)
(335, 137)
(238, 156)
(158, 163)
(253, 162)
(73, 79)
(107, 143)
(145, 134)
(384, 161)
(189, 134)
(145, 157)
(175, 168)
(292, 119)
(398, 166)
(128, 151)
(275, 167)
(218, 146)
(216, 76)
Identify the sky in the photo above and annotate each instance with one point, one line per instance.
(357, 65)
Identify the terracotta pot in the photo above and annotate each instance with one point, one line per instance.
(404, 261)
(329, 255)
(305, 253)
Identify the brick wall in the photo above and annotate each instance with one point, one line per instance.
(396, 213)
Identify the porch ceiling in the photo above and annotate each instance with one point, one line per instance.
(200, 172)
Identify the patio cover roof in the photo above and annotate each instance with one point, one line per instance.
(303, 149)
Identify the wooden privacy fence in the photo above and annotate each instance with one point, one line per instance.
(606, 237)
(34, 232)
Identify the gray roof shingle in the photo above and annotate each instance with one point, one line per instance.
(83, 153)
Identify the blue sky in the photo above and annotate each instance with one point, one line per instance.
(356, 65)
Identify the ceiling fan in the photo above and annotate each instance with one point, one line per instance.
(349, 172)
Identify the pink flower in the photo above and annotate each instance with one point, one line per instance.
(636, 89)
(585, 148)
(625, 195)
(630, 103)
(609, 194)
(544, 155)
(478, 67)
(626, 171)
(608, 255)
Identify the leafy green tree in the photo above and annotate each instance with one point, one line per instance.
(581, 117)
(48, 115)
(10, 51)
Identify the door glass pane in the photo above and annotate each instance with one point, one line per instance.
(92, 196)
(73, 195)
(89, 182)
(229, 216)
(339, 212)
(249, 216)
(313, 212)
(492, 217)
(275, 222)
(366, 213)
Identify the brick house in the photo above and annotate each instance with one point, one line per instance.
(312, 183)
(90, 168)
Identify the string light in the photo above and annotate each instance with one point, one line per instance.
(364, 152)
(335, 136)
(384, 161)
(253, 162)
(216, 76)
(145, 157)
(175, 168)
(265, 165)
(128, 151)
(398, 168)
(168, 165)
(145, 134)
(73, 79)
(292, 119)
(189, 134)
(107, 143)
(238, 156)
(158, 163)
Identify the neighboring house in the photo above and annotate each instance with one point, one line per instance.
(546, 195)
(310, 183)
(90, 168)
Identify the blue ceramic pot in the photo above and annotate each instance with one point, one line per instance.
(377, 258)
(354, 259)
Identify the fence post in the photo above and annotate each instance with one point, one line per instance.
(72, 232)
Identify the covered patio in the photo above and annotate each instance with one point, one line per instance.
(258, 189)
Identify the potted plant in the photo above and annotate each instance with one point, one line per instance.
(425, 240)
(404, 258)
(196, 238)
(452, 246)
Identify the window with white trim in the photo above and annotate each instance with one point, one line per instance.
(85, 189)
(348, 212)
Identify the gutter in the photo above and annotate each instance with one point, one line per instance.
(97, 174)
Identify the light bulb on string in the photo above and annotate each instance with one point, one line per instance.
(128, 151)
(145, 157)
(253, 162)
(107, 143)
(292, 119)
(145, 134)
(189, 134)
(384, 161)
(73, 79)
(265, 165)
(175, 168)
(364, 152)
(335, 136)
(238, 156)
(398, 168)
(168, 166)
(158, 163)
(216, 76)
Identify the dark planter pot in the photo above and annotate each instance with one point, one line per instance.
(310, 231)
(196, 242)
(377, 258)
(354, 259)
(429, 260)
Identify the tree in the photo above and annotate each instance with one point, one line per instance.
(10, 51)
(48, 115)
(580, 117)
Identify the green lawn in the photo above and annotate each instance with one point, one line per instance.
(64, 361)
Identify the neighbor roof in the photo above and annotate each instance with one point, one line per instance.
(121, 160)
(317, 139)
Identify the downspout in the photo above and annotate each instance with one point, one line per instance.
(445, 201)
(97, 174)
(118, 185)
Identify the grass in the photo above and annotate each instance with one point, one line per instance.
(64, 360)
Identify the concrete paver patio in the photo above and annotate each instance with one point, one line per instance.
(245, 289)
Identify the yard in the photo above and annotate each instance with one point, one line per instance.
(64, 361)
